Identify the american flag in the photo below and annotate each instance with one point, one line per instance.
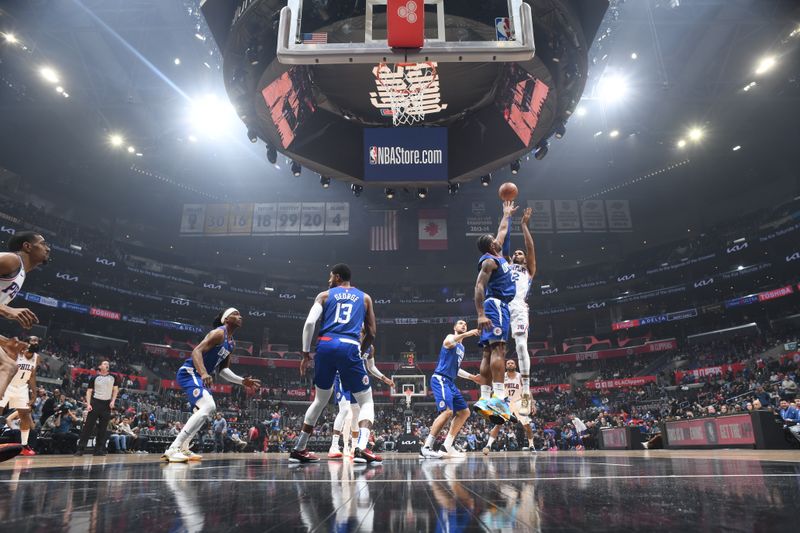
(315, 38)
(383, 232)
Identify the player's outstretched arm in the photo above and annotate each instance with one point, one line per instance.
(230, 376)
(472, 377)
(530, 252)
(451, 340)
(505, 223)
(213, 338)
(370, 324)
(308, 329)
(487, 267)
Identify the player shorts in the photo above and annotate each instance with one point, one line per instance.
(189, 380)
(340, 392)
(16, 397)
(519, 319)
(524, 420)
(343, 355)
(446, 394)
(496, 311)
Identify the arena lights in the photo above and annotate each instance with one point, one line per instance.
(634, 55)
(252, 136)
(389, 192)
(453, 188)
(253, 53)
(356, 188)
(422, 192)
(116, 140)
(49, 74)
(272, 154)
(765, 64)
(515, 166)
(612, 88)
(736, 148)
(177, 60)
(200, 37)
(613, 134)
(580, 111)
(541, 150)
(11, 38)
(192, 139)
(749, 86)
(296, 169)
(681, 143)
(560, 130)
(695, 134)
(210, 115)
(325, 182)
(486, 180)
(59, 89)
(131, 150)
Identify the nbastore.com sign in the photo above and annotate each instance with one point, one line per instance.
(405, 154)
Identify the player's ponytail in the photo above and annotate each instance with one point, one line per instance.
(218, 320)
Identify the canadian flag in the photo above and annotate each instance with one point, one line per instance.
(432, 229)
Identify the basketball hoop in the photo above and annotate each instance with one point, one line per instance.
(405, 85)
(408, 393)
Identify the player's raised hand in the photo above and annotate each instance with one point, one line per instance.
(526, 215)
(25, 317)
(484, 323)
(473, 332)
(251, 383)
(509, 208)
(305, 363)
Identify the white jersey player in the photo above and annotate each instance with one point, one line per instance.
(523, 269)
(513, 384)
(19, 393)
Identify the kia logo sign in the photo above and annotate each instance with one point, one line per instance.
(180, 301)
(596, 305)
(212, 286)
(703, 283)
(383, 301)
(453, 300)
(10, 231)
(287, 296)
(66, 277)
(105, 262)
(408, 443)
(737, 247)
(257, 313)
(626, 277)
(550, 291)
(794, 257)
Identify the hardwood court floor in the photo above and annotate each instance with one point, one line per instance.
(718, 490)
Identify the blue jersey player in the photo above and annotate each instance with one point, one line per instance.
(494, 289)
(448, 398)
(344, 310)
(195, 376)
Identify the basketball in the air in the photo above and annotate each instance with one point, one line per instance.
(508, 191)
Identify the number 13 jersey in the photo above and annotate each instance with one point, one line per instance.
(343, 313)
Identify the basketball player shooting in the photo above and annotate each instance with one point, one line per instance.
(494, 289)
(195, 378)
(523, 269)
(344, 310)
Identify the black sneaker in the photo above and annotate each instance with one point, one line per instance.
(79, 453)
(302, 456)
(366, 456)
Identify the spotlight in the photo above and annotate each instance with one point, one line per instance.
(541, 150)
(453, 188)
(116, 139)
(325, 182)
(296, 169)
(422, 192)
(613, 133)
(765, 64)
(11, 38)
(612, 88)
(252, 136)
(580, 111)
(515, 166)
(681, 143)
(177, 61)
(486, 180)
(634, 55)
(49, 74)
(356, 188)
(272, 154)
(252, 54)
(131, 149)
(192, 138)
(389, 192)
(59, 89)
(199, 36)
(560, 131)
(737, 148)
(695, 134)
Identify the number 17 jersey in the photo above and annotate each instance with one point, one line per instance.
(343, 313)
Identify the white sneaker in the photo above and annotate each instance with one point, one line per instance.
(525, 405)
(174, 456)
(486, 450)
(526, 449)
(453, 454)
(645, 445)
(429, 453)
(334, 453)
(191, 456)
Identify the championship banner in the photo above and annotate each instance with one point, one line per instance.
(479, 222)
(723, 430)
(193, 219)
(542, 217)
(240, 219)
(567, 218)
(432, 229)
(264, 218)
(619, 215)
(216, 220)
(593, 216)
(649, 347)
(312, 218)
(619, 383)
(709, 371)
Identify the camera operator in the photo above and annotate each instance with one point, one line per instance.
(61, 423)
(791, 418)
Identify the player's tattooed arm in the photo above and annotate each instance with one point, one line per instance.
(213, 338)
(487, 267)
(530, 252)
(308, 329)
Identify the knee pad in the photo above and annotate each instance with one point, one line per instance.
(205, 405)
(366, 407)
(344, 410)
(356, 411)
(523, 355)
(321, 398)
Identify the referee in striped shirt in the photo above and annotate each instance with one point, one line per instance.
(100, 398)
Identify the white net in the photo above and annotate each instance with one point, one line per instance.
(405, 86)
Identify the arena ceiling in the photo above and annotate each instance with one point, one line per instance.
(684, 64)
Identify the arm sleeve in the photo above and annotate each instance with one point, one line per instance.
(507, 241)
(311, 322)
(372, 369)
(230, 376)
(464, 374)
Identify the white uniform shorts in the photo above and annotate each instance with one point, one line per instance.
(519, 319)
(524, 420)
(16, 397)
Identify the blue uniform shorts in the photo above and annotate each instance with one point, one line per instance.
(496, 311)
(446, 394)
(342, 355)
(340, 392)
(189, 380)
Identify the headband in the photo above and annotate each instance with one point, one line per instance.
(228, 313)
